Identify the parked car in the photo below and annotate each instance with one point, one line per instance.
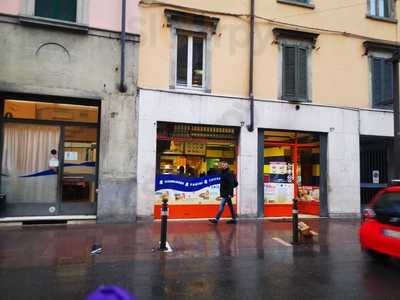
(380, 229)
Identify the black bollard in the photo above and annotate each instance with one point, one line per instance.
(164, 219)
(295, 222)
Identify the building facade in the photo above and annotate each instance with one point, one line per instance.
(97, 123)
(68, 93)
(296, 95)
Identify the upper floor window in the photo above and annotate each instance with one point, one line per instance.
(295, 51)
(382, 82)
(191, 46)
(55, 12)
(294, 71)
(190, 60)
(381, 73)
(382, 8)
(301, 3)
(64, 10)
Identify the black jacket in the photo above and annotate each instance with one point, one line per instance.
(227, 183)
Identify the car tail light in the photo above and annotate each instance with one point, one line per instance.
(368, 213)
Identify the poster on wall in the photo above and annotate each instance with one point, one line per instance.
(185, 190)
(278, 193)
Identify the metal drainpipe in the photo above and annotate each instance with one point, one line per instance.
(250, 127)
(122, 86)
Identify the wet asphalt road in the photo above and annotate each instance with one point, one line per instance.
(248, 261)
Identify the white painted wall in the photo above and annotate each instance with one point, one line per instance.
(342, 125)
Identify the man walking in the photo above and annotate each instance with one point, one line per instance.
(228, 183)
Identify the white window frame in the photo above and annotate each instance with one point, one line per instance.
(376, 13)
(189, 75)
(82, 7)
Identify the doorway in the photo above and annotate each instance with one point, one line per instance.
(49, 158)
(291, 168)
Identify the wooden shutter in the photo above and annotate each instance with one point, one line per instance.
(301, 68)
(56, 9)
(289, 71)
(388, 82)
(377, 80)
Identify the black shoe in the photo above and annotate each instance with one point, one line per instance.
(231, 222)
(214, 221)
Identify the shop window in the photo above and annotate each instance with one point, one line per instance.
(382, 82)
(190, 60)
(50, 111)
(187, 171)
(60, 9)
(191, 51)
(291, 169)
(382, 8)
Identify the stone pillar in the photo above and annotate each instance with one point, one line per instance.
(118, 148)
(344, 168)
(248, 172)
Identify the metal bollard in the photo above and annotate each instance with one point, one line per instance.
(164, 219)
(295, 222)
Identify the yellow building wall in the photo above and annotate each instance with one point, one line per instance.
(340, 71)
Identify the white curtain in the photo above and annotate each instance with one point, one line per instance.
(26, 152)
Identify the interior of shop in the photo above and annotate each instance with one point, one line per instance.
(291, 169)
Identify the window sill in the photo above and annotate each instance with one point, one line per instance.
(293, 2)
(190, 90)
(295, 100)
(383, 19)
(56, 24)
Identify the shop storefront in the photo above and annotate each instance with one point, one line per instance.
(291, 169)
(187, 167)
(49, 156)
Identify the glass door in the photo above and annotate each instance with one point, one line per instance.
(30, 167)
(79, 169)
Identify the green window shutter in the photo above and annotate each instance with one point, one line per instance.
(289, 71)
(301, 67)
(56, 9)
(377, 80)
(388, 92)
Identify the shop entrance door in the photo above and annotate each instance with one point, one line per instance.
(78, 182)
(291, 169)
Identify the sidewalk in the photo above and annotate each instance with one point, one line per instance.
(250, 260)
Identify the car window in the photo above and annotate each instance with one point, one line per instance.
(388, 204)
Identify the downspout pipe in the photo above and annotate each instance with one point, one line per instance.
(250, 127)
(122, 85)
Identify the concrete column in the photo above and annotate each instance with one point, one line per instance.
(147, 150)
(117, 181)
(344, 168)
(247, 177)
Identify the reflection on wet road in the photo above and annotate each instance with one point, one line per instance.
(243, 261)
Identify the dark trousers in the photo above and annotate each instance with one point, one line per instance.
(222, 206)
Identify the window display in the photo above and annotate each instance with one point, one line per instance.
(187, 162)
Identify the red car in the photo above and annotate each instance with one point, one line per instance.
(380, 228)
